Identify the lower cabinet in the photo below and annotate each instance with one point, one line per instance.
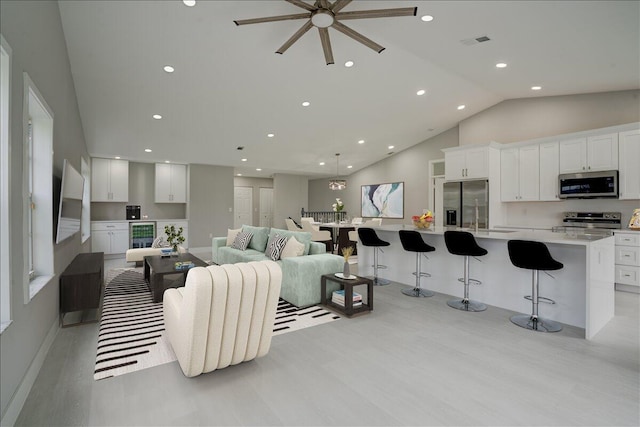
(628, 258)
(110, 237)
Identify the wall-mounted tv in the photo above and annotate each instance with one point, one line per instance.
(70, 207)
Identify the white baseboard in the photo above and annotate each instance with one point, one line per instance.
(20, 396)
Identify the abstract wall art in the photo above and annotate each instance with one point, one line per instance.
(383, 200)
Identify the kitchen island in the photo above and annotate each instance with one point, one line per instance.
(583, 290)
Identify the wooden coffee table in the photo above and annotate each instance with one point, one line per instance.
(157, 266)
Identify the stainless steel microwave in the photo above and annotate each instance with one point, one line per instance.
(589, 185)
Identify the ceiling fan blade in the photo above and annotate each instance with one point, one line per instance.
(381, 13)
(273, 18)
(302, 4)
(326, 45)
(339, 5)
(357, 36)
(324, 4)
(306, 27)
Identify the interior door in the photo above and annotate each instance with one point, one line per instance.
(266, 207)
(242, 206)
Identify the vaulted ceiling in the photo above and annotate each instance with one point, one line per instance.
(230, 89)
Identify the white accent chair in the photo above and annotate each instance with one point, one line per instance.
(356, 221)
(137, 255)
(224, 315)
(317, 235)
(291, 226)
(374, 222)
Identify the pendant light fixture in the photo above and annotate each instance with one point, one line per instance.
(337, 183)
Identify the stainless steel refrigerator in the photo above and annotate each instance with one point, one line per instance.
(460, 199)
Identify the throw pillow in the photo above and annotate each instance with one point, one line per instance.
(231, 235)
(293, 248)
(275, 247)
(242, 240)
(157, 242)
(260, 237)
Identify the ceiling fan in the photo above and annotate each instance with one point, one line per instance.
(324, 14)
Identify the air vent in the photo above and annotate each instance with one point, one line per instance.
(475, 40)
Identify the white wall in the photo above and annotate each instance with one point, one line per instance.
(529, 118)
(410, 166)
(210, 203)
(34, 32)
(290, 194)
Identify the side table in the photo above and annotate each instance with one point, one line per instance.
(81, 285)
(347, 285)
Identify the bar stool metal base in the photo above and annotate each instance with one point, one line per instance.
(377, 281)
(468, 305)
(418, 293)
(535, 324)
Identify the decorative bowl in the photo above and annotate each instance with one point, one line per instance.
(426, 224)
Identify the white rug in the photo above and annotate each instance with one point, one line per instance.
(131, 335)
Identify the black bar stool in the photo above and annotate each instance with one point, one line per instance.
(412, 242)
(368, 237)
(464, 244)
(534, 256)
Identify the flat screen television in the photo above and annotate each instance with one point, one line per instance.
(70, 206)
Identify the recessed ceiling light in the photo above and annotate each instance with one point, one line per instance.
(391, 147)
(461, 107)
(258, 169)
(189, 3)
(167, 161)
(270, 135)
(169, 69)
(361, 141)
(427, 18)
(348, 64)
(239, 174)
(148, 150)
(157, 116)
(117, 157)
(420, 92)
(321, 163)
(244, 160)
(349, 167)
(536, 87)
(501, 65)
(306, 103)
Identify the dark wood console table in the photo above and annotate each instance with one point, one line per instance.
(81, 285)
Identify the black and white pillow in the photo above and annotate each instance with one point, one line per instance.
(242, 240)
(276, 245)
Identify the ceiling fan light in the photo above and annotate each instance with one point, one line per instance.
(337, 184)
(322, 19)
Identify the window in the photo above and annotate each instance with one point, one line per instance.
(85, 224)
(38, 169)
(5, 176)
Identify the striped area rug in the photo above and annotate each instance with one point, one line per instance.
(131, 335)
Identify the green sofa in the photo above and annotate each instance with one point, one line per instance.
(300, 275)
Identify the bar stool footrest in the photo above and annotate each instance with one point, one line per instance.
(471, 281)
(422, 274)
(540, 299)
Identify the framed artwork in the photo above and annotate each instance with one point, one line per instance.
(383, 200)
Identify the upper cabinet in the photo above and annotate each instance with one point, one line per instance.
(171, 183)
(549, 170)
(589, 154)
(469, 163)
(629, 185)
(109, 180)
(519, 174)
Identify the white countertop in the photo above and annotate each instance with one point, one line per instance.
(540, 235)
(138, 220)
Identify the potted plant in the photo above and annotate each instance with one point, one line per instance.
(174, 237)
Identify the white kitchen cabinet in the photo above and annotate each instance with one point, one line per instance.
(470, 163)
(171, 183)
(549, 170)
(177, 224)
(627, 258)
(589, 154)
(110, 237)
(629, 178)
(519, 174)
(109, 180)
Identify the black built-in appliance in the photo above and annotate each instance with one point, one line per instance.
(133, 211)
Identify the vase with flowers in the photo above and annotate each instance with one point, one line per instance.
(346, 253)
(338, 207)
(174, 237)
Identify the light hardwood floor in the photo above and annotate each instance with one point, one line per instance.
(409, 362)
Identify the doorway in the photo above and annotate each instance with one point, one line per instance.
(266, 207)
(242, 206)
